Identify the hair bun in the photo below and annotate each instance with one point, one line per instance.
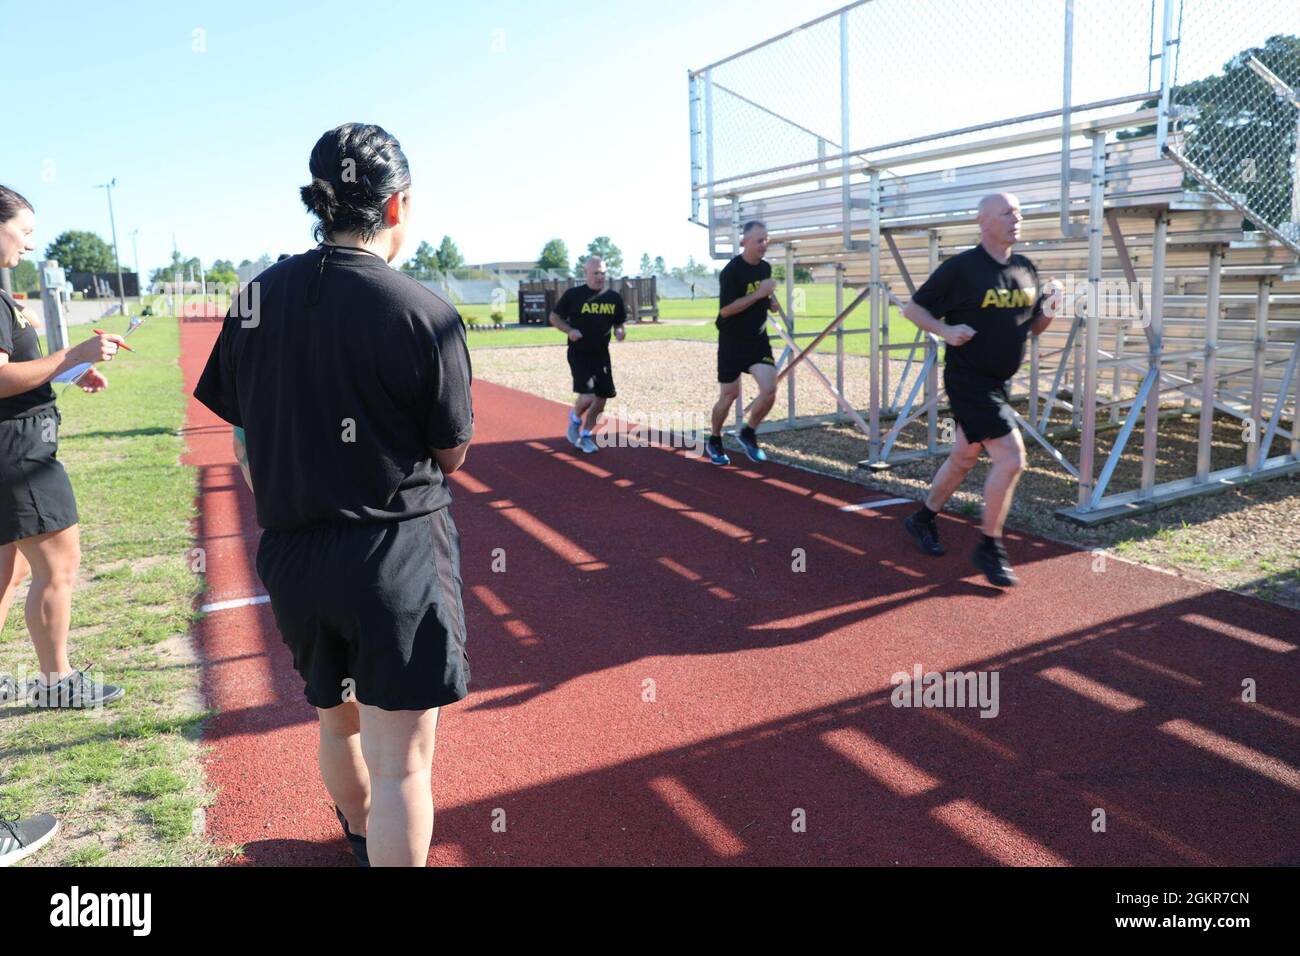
(355, 205)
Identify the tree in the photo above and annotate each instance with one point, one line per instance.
(661, 267)
(801, 273)
(647, 267)
(555, 255)
(604, 247)
(448, 256)
(26, 278)
(167, 273)
(1239, 131)
(423, 264)
(78, 251)
(223, 271)
(694, 268)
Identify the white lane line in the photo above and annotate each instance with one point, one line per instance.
(882, 503)
(238, 602)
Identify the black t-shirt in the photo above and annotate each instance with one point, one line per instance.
(737, 280)
(341, 400)
(593, 314)
(997, 301)
(19, 338)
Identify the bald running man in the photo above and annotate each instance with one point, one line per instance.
(745, 288)
(984, 303)
(586, 313)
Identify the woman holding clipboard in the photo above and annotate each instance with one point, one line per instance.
(38, 512)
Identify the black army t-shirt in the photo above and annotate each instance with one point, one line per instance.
(593, 314)
(996, 300)
(737, 280)
(19, 338)
(343, 380)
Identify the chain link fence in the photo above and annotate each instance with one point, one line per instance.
(885, 75)
(1236, 98)
(891, 71)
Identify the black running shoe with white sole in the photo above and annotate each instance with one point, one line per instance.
(925, 534)
(21, 838)
(992, 560)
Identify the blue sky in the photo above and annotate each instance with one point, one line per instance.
(521, 121)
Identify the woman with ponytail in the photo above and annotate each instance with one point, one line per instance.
(351, 382)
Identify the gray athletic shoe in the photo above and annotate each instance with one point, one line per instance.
(575, 432)
(588, 444)
(22, 838)
(77, 691)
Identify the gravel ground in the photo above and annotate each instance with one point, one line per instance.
(1246, 539)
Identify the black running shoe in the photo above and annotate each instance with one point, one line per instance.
(21, 838)
(749, 441)
(358, 843)
(925, 534)
(77, 691)
(992, 560)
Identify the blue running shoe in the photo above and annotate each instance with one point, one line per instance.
(716, 455)
(749, 441)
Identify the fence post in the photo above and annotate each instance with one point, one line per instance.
(1068, 229)
(846, 203)
(1209, 369)
(1156, 318)
(708, 155)
(877, 303)
(693, 99)
(1166, 42)
(1085, 399)
(1254, 452)
(789, 327)
(56, 326)
(839, 338)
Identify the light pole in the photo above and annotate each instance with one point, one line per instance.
(121, 294)
(135, 249)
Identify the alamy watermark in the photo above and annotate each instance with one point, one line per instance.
(638, 429)
(950, 689)
(80, 690)
(189, 298)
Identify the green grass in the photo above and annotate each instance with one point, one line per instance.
(815, 307)
(125, 781)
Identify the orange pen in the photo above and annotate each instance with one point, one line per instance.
(122, 344)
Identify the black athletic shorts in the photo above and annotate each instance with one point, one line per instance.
(35, 493)
(591, 373)
(371, 610)
(980, 405)
(736, 353)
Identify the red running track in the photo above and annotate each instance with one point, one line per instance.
(1119, 690)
